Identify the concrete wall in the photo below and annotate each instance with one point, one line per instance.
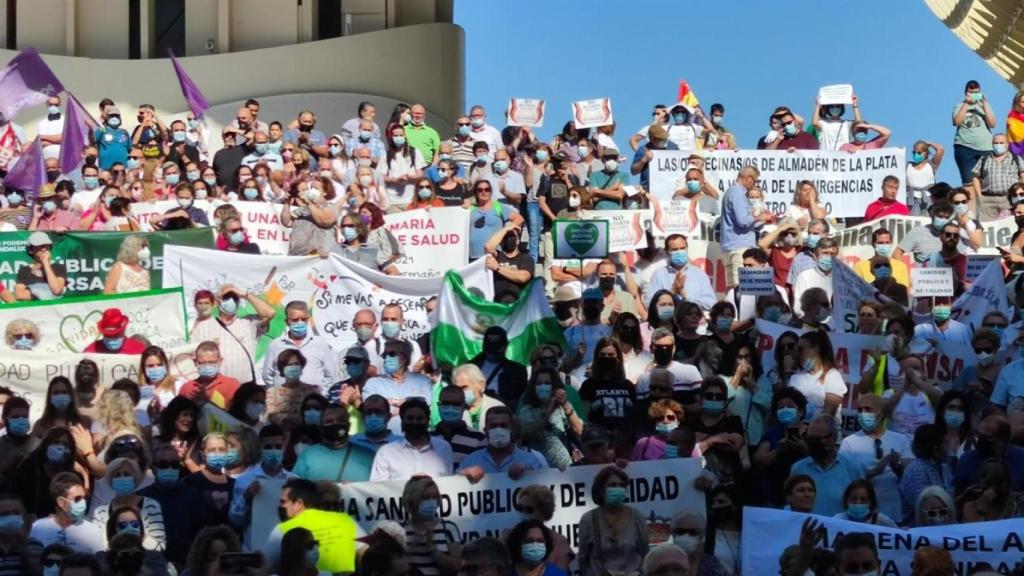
(43, 24)
(414, 63)
(200, 26)
(102, 30)
(263, 24)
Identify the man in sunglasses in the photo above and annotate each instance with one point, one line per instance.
(949, 256)
(793, 136)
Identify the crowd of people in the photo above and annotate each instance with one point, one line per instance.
(119, 478)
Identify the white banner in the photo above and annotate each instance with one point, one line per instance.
(592, 113)
(767, 533)
(262, 223)
(69, 325)
(142, 211)
(987, 294)
(657, 489)
(334, 289)
(849, 291)
(625, 227)
(433, 240)
(525, 112)
(846, 182)
(28, 372)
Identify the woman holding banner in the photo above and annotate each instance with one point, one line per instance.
(432, 544)
(613, 538)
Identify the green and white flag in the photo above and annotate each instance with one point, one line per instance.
(463, 317)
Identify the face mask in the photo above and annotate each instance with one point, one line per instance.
(809, 365)
(254, 410)
(543, 156)
(365, 180)
(583, 151)
(790, 129)
(236, 239)
(883, 272)
(812, 241)
(91, 182)
(999, 149)
(77, 510)
(156, 373)
(250, 193)
(166, 476)
(772, 313)
(229, 306)
(313, 555)
(953, 418)
(364, 334)
(298, 329)
(500, 166)
(717, 120)
(883, 250)
(144, 254)
(335, 150)
(133, 164)
(11, 523)
(399, 141)
(311, 416)
(615, 495)
(113, 121)
(687, 542)
(424, 193)
(723, 324)
(375, 424)
(574, 201)
(450, 413)
(960, 209)
(939, 223)
(868, 421)
(786, 415)
(390, 328)
(713, 406)
(179, 136)
(60, 401)
(272, 458)
(208, 370)
(941, 313)
(23, 344)
(173, 179)
(611, 165)
(693, 186)
(292, 372)
(680, 119)
(392, 364)
(123, 485)
(671, 451)
(860, 137)
(184, 203)
(665, 427)
(51, 570)
(428, 508)
(985, 358)
(334, 432)
(57, 453)
(543, 391)
(825, 263)
(533, 552)
(678, 258)
(17, 426)
(499, 437)
(858, 511)
(217, 461)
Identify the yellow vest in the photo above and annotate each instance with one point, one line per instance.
(336, 533)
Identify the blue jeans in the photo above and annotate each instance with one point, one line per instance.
(966, 158)
(535, 223)
(919, 206)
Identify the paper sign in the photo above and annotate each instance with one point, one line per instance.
(932, 281)
(835, 94)
(577, 239)
(976, 264)
(757, 281)
(525, 112)
(592, 113)
(631, 190)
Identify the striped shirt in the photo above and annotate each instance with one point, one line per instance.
(464, 441)
(419, 551)
(152, 523)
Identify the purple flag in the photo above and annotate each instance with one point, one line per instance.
(26, 81)
(29, 173)
(195, 99)
(78, 124)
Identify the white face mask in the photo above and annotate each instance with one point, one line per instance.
(365, 180)
(687, 542)
(574, 201)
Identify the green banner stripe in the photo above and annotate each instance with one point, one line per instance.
(450, 345)
(95, 298)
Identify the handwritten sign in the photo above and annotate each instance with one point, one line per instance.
(592, 113)
(757, 281)
(525, 112)
(932, 282)
(835, 94)
(976, 264)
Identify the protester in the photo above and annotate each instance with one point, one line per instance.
(614, 536)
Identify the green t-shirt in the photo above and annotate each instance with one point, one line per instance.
(349, 464)
(973, 132)
(423, 138)
(604, 180)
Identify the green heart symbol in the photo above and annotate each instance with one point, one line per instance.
(581, 236)
(83, 334)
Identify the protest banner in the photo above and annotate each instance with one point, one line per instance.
(525, 112)
(835, 94)
(757, 281)
(592, 113)
(88, 256)
(69, 324)
(334, 288)
(657, 489)
(433, 241)
(143, 211)
(676, 216)
(846, 182)
(767, 533)
(987, 294)
(574, 239)
(976, 264)
(849, 291)
(262, 223)
(28, 372)
(931, 282)
(625, 227)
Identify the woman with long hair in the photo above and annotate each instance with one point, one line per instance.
(613, 538)
(210, 543)
(432, 543)
(405, 167)
(660, 313)
(609, 398)
(127, 273)
(60, 409)
(179, 427)
(379, 237)
(300, 553)
(819, 381)
(154, 370)
(548, 419)
(781, 445)
(211, 480)
(116, 418)
(626, 329)
(31, 481)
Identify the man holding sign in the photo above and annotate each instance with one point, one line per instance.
(933, 287)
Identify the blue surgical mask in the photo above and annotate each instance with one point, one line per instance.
(772, 313)
(723, 324)
(543, 156)
(678, 258)
(292, 372)
(424, 193)
(77, 510)
(217, 461)
(23, 343)
(501, 166)
(123, 485)
(49, 206)
(335, 150)
(113, 343)
(255, 410)
(229, 306)
(790, 129)
(392, 364)
(14, 198)
(450, 413)
(192, 175)
(671, 451)
(60, 401)
(91, 181)
(999, 149)
(12, 523)
(57, 453)
(210, 181)
(868, 421)
(208, 370)
(17, 427)
(133, 163)
(464, 130)
(614, 495)
(250, 193)
(809, 365)
(812, 241)
(355, 370)
(917, 157)
(883, 250)
(114, 121)
(583, 151)
(179, 135)
(156, 373)
(543, 391)
(374, 423)
(167, 476)
(470, 396)
(786, 415)
(713, 406)
(825, 263)
(858, 511)
(312, 416)
(132, 527)
(941, 313)
(365, 135)
(953, 418)
(272, 458)
(390, 328)
(860, 137)
(665, 313)
(299, 329)
(53, 110)
(172, 179)
(313, 555)
(693, 186)
(399, 141)
(939, 222)
(428, 508)
(236, 239)
(666, 427)
(883, 272)
(533, 552)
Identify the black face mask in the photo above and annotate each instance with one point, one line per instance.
(817, 450)
(591, 312)
(414, 431)
(605, 365)
(985, 447)
(721, 514)
(1020, 221)
(628, 334)
(606, 284)
(282, 514)
(662, 357)
(306, 127)
(334, 432)
(52, 175)
(494, 350)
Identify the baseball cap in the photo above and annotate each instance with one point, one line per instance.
(37, 239)
(593, 294)
(356, 353)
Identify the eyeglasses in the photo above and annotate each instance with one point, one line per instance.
(961, 203)
(52, 562)
(17, 336)
(463, 124)
(983, 350)
(121, 525)
(351, 360)
(483, 189)
(950, 234)
(994, 326)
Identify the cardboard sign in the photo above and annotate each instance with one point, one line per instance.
(932, 281)
(976, 264)
(525, 112)
(757, 281)
(835, 94)
(580, 239)
(592, 113)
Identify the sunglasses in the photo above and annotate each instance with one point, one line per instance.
(16, 336)
(983, 350)
(463, 124)
(950, 235)
(995, 326)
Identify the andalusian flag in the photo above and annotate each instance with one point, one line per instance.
(687, 96)
(463, 317)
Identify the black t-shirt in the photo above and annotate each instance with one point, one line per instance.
(217, 496)
(454, 197)
(226, 163)
(556, 194)
(29, 276)
(520, 261)
(612, 403)
(725, 464)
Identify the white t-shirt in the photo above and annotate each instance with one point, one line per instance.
(488, 134)
(920, 180)
(47, 127)
(795, 213)
(813, 278)
(402, 165)
(685, 136)
(83, 200)
(911, 412)
(861, 449)
(686, 377)
(748, 302)
(833, 133)
(810, 385)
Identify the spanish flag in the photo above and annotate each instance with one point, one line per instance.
(1015, 131)
(687, 96)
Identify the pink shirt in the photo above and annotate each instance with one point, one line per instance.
(60, 219)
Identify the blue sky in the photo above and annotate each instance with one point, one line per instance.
(907, 68)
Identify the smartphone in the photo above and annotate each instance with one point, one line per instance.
(239, 562)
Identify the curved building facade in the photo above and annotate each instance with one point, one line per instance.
(994, 29)
(325, 55)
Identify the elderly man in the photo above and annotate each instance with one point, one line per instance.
(261, 152)
(818, 277)
(397, 383)
(420, 136)
(739, 224)
(667, 560)
(993, 176)
(306, 137)
(481, 131)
